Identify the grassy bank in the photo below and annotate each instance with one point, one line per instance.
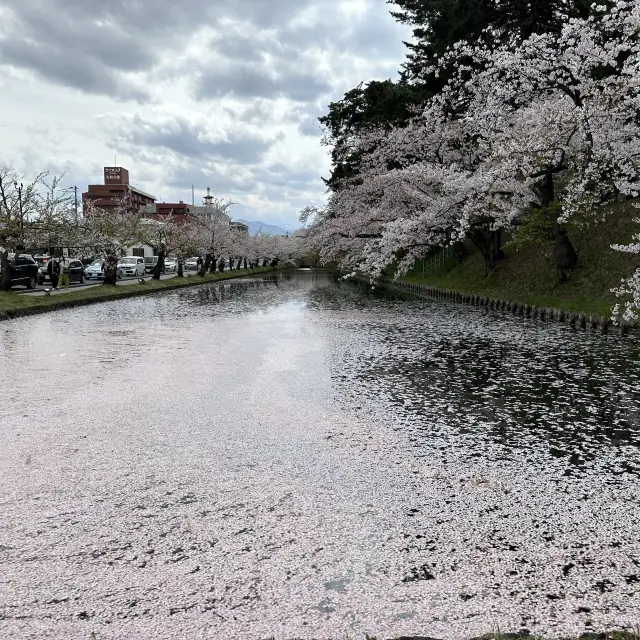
(526, 276)
(13, 304)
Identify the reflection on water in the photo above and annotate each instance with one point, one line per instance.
(301, 457)
(498, 379)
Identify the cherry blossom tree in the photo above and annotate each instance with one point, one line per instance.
(558, 112)
(184, 238)
(108, 233)
(550, 123)
(17, 203)
(629, 310)
(215, 235)
(54, 223)
(170, 234)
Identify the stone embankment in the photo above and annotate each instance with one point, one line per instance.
(578, 320)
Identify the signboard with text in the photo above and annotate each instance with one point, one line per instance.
(116, 175)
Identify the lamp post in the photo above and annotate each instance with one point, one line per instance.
(75, 201)
(19, 189)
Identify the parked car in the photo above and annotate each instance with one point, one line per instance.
(94, 270)
(132, 266)
(191, 264)
(150, 263)
(170, 264)
(24, 271)
(76, 271)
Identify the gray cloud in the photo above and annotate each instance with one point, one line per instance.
(248, 81)
(192, 140)
(87, 74)
(91, 44)
(259, 67)
(281, 176)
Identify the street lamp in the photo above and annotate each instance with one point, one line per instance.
(75, 201)
(19, 189)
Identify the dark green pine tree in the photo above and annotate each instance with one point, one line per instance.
(438, 24)
(365, 108)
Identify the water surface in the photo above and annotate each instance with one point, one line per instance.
(297, 458)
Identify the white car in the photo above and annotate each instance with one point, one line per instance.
(191, 264)
(94, 270)
(131, 266)
(170, 264)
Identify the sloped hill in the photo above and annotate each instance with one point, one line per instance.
(526, 276)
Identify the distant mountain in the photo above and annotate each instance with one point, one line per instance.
(255, 226)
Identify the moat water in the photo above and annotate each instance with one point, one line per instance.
(297, 457)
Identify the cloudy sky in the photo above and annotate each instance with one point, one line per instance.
(219, 93)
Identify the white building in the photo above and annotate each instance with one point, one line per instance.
(207, 208)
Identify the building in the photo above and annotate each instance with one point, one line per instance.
(116, 190)
(239, 227)
(208, 209)
(160, 210)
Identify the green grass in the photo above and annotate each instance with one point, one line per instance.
(525, 276)
(13, 304)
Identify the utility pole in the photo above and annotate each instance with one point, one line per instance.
(19, 188)
(75, 202)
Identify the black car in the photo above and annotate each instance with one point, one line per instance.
(76, 271)
(24, 271)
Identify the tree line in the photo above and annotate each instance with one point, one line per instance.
(509, 116)
(39, 214)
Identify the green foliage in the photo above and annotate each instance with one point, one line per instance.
(365, 108)
(535, 229)
(438, 24)
(526, 276)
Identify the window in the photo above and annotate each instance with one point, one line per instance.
(140, 260)
(138, 252)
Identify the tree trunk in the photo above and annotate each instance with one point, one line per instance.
(245, 263)
(205, 266)
(489, 243)
(111, 269)
(5, 271)
(221, 265)
(264, 262)
(180, 270)
(157, 270)
(460, 251)
(564, 254)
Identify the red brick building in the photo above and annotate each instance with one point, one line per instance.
(116, 189)
(160, 210)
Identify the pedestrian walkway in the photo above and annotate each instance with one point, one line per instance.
(42, 289)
